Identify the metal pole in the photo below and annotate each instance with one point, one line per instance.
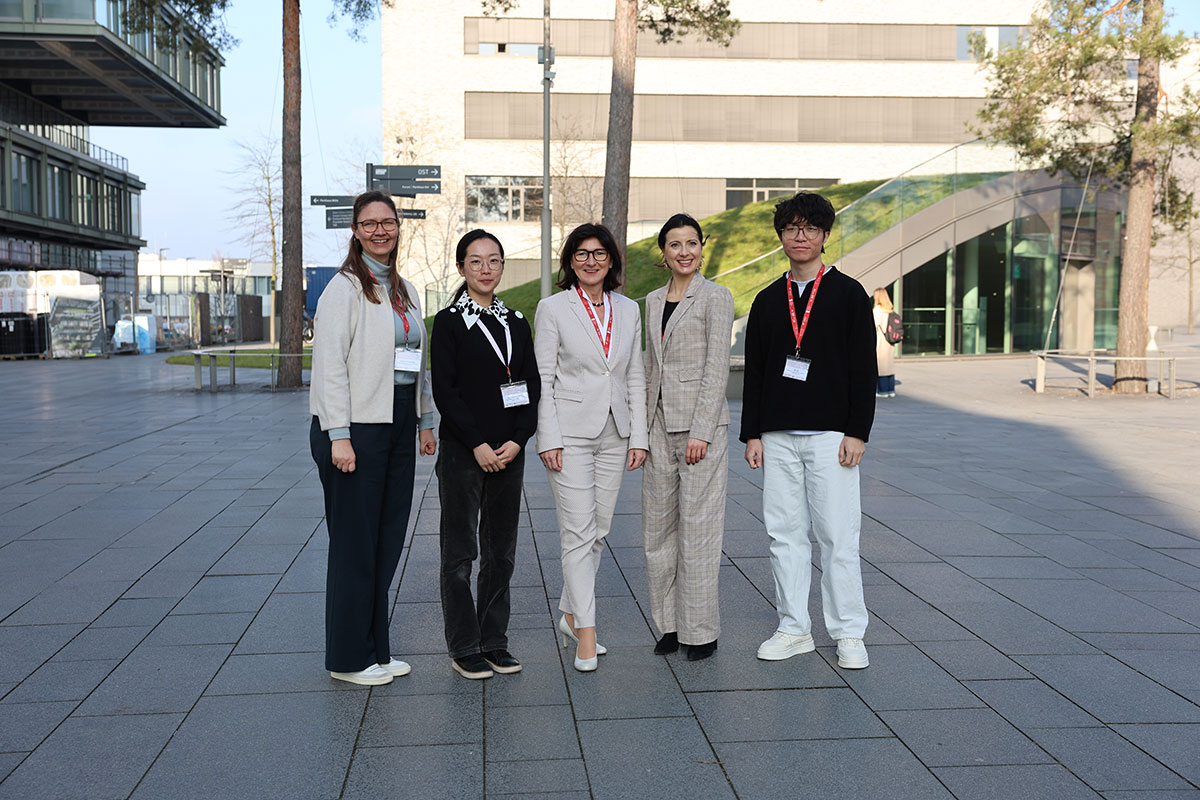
(547, 61)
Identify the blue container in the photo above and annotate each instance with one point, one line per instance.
(315, 279)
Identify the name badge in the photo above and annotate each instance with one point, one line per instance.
(796, 368)
(514, 394)
(407, 360)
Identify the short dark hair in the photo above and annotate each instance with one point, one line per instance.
(590, 230)
(460, 255)
(680, 220)
(808, 207)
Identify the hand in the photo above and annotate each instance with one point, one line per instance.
(552, 459)
(343, 454)
(486, 458)
(636, 456)
(507, 452)
(428, 443)
(754, 454)
(697, 449)
(851, 452)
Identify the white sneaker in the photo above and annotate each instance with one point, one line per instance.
(852, 654)
(373, 675)
(785, 645)
(397, 667)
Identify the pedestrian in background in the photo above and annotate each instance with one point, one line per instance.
(885, 351)
(689, 322)
(369, 396)
(592, 415)
(486, 385)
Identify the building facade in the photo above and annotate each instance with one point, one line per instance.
(807, 94)
(67, 65)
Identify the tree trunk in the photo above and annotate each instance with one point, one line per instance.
(293, 225)
(620, 121)
(1130, 376)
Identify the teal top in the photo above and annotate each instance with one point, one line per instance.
(411, 339)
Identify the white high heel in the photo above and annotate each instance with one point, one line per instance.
(586, 664)
(568, 635)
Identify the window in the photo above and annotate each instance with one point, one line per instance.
(503, 199)
(740, 191)
(58, 192)
(24, 183)
(85, 202)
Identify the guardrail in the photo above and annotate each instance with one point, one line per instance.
(1092, 357)
(212, 354)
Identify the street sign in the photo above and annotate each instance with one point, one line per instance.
(405, 172)
(405, 180)
(337, 200)
(403, 187)
(412, 213)
(338, 218)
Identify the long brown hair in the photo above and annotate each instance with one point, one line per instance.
(355, 266)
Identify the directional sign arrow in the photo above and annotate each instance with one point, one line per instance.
(337, 200)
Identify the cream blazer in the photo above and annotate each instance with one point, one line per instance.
(354, 345)
(687, 366)
(579, 387)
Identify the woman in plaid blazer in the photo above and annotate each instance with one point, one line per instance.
(688, 327)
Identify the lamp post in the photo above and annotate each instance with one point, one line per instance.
(546, 59)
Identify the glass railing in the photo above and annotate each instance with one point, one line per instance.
(62, 136)
(957, 169)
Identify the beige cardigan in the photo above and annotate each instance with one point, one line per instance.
(353, 355)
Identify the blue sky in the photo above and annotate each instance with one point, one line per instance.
(190, 175)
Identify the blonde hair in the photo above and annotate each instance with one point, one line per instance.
(882, 300)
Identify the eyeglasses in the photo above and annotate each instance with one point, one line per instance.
(809, 231)
(581, 256)
(477, 264)
(369, 225)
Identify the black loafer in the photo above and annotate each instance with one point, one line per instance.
(669, 643)
(699, 652)
(502, 661)
(472, 666)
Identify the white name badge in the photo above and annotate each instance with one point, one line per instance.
(796, 368)
(407, 360)
(514, 394)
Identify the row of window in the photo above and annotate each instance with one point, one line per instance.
(762, 40)
(729, 118)
(70, 195)
(31, 254)
(151, 285)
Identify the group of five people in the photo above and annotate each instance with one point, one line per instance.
(599, 407)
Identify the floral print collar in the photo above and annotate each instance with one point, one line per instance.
(472, 311)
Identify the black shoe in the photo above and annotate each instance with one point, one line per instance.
(698, 652)
(472, 666)
(502, 661)
(669, 643)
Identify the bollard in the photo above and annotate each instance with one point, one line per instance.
(1039, 382)
(212, 373)
(272, 372)
(199, 373)
(1171, 379)
(1091, 378)
(233, 367)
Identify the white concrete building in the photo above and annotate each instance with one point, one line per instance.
(810, 92)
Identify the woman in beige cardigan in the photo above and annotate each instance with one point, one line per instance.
(370, 394)
(591, 416)
(688, 325)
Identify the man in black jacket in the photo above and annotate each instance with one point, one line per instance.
(807, 410)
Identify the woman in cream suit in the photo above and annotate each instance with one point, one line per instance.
(688, 324)
(591, 416)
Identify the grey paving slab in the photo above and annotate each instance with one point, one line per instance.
(639, 684)
(23, 648)
(783, 714)
(256, 559)
(91, 757)
(63, 603)
(1176, 670)
(1110, 690)
(1173, 745)
(828, 769)
(9, 762)
(1087, 606)
(902, 677)
(651, 758)
(526, 733)
(453, 771)
(1104, 760)
(188, 629)
(287, 623)
(1165, 794)
(208, 756)
(1181, 605)
(525, 778)
(972, 659)
(224, 593)
(963, 737)
(1013, 567)
(141, 611)
(910, 616)
(1000, 783)
(393, 720)
(155, 680)
(1031, 704)
(23, 726)
(62, 680)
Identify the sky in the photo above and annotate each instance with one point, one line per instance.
(193, 178)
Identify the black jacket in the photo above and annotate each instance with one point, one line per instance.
(467, 376)
(839, 394)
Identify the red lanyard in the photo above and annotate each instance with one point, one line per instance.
(395, 300)
(605, 339)
(798, 330)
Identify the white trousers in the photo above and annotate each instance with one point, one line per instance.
(585, 494)
(805, 487)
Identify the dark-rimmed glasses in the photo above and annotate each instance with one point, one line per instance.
(792, 231)
(600, 255)
(369, 225)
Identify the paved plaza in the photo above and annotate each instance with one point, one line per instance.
(1032, 568)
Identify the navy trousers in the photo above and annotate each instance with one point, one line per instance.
(366, 513)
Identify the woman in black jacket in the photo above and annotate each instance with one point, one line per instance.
(486, 386)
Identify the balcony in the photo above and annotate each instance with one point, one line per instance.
(76, 57)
